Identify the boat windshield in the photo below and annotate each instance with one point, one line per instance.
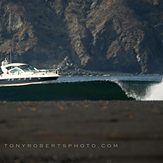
(27, 68)
(16, 71)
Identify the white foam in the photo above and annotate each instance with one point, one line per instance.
(154, 93)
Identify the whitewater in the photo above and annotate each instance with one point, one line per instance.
(154, 93)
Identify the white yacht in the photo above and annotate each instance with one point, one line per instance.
(21, 74)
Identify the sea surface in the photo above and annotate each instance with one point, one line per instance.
(89, 87)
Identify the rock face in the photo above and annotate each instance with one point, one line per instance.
(103, 35)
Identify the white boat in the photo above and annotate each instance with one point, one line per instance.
(21, 74)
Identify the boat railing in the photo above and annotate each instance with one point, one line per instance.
(49, 70)
(54, 70)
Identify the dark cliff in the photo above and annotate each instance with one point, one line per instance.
(103, 35)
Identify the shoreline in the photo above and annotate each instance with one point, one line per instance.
(136, 128)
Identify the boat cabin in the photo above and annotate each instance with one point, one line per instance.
(17, 68)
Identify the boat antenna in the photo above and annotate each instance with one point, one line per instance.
(11, 43)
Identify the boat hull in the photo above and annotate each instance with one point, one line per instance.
(22, 81)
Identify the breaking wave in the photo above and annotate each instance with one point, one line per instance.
(84, 90)
(154, 92)
(143, 91)
(88, 88)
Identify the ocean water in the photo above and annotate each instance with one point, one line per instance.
(99, 87)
